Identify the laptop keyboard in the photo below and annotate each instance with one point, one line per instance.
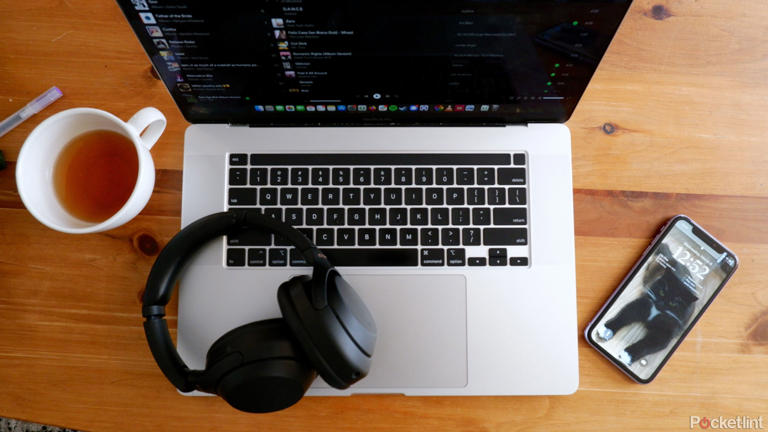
(429, 210)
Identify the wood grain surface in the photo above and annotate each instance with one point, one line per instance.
(674, 121)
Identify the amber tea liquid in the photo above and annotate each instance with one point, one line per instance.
(95, 174)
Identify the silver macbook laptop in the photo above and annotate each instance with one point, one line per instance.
(419, 144)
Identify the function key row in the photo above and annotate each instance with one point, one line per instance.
(341, 257)
(378, 159)
(333, 196)
(380, 176)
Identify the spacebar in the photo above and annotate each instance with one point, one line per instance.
(354, 257)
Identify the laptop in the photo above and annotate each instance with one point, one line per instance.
(421, 145)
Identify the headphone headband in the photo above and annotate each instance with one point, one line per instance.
(169, 263)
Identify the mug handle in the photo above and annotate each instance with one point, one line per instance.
(149, 123)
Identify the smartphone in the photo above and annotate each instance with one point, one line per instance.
(661, 298)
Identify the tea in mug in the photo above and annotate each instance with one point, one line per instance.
(95, 174)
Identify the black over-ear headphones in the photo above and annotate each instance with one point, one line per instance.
(265, 365)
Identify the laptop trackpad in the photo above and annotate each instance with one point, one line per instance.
(422, 330)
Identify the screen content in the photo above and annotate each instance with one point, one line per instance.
(305, 61)
(665, 295)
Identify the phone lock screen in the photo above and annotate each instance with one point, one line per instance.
(661, 299)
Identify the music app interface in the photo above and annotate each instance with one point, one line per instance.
(387, 60)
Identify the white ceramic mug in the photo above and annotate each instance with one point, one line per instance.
(38, 155)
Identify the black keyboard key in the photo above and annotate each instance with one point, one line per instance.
(439, 216)
(314, 216)
(456, 257)
(325, 237)
(444, 176)
(308, 233)
(505, 236)
(278, 257)
(475, 196)
(432, 257)
(242, 196)
(511, 176)
(257, 257)
(434, 196)
(258, 176)
(486, 176)
(278, 176)
(414, 196)
(497, 196)
(450, 236)
(366, 237)
(355, 257)
(321, 176)
(518, 159)
(518, 261)
(393, 196)
(341, 176)
(430, 237)
(419, 216)
(331, 196)
(297, 259)
(387, 237)
(372, 196)
(460, 216)
(249, 237)
(516, 196)
(497, 256)
(510, 216)
(345, 237)
(267, 196)
(356, 216)
(382, 176)
(238, 159)
(454, 196)
(398, 216)
(476, 261)
(361, 176)
(335, 216)
(238, 176)
(289, 196)
(377, 216)
(310, 196)
(294, 216)
(350, 196)
(403, 176)
(465, 176)
(481, 216)
(471, 236)
(409, 237)
(299, 176)
(423, 176)
(275, 213)
(236, 257)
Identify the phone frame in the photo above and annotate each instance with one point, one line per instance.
(700, 233)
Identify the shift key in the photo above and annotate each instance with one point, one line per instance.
(505, 236)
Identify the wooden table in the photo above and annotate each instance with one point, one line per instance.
(673, 122)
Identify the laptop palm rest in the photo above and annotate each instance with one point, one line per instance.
(422, 330)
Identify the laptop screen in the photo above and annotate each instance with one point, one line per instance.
(304, 62)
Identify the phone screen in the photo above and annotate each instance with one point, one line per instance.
(661, 299)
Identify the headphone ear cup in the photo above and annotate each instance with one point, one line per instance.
(336, 350)
(258, 367)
